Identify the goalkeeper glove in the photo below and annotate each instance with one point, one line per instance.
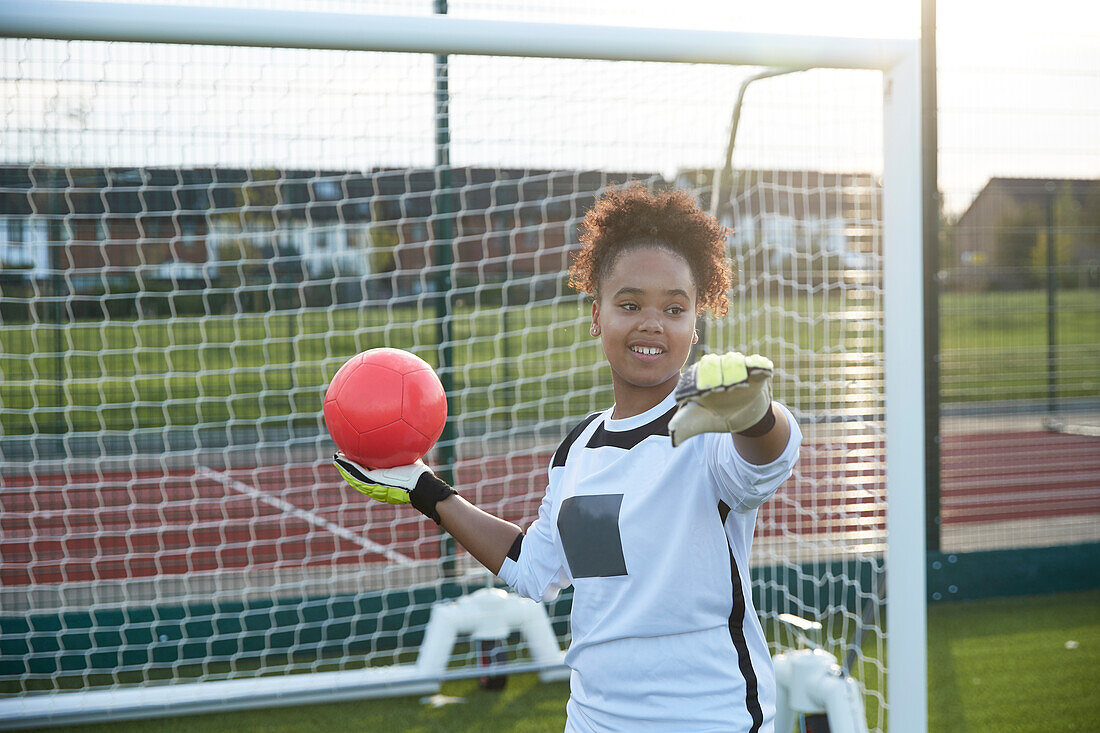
(412, 484)
(727, 393)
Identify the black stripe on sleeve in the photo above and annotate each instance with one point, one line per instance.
(513, 551)
(737, 634)
(627, 439)
(563, 450)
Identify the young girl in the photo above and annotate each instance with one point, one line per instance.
(653, 530)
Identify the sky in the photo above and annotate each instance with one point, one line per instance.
(1019, 88)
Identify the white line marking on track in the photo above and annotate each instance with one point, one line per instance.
(283, 505)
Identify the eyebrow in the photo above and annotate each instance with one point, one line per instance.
(639, 291)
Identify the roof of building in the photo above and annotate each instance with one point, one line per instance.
(1032, 190)
(320, 194)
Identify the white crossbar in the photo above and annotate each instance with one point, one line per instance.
(440, 34)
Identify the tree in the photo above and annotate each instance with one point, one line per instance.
(1015, 244)
(384, 238)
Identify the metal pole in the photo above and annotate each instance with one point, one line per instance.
(930, 202)
(435, 34)
(55, 231)
(903, 293)
(723, 186)
(506, 351)
(443, 231)
(724, 180)
(293, 330)
(1052, 297)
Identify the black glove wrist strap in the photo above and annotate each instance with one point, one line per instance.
(763, 426)
(429, 491)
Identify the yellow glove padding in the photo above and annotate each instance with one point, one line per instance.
(391, 485)
(721, 393)
(412, 484)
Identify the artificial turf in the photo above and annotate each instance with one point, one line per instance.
(1015, 664)
(1029, 663)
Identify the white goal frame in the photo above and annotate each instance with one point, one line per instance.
(898, 60)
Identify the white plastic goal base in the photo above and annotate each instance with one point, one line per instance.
(810, 681)
(485, 614)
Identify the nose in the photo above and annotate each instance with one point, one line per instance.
(651, 322)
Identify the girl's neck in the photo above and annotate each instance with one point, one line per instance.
(631, 400)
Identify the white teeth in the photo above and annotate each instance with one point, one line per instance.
(647, 350)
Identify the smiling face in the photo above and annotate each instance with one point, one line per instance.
(645, 317)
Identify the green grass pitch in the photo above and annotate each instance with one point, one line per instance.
(525, 363)
(1008, 665)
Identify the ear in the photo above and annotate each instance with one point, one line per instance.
(595, 330)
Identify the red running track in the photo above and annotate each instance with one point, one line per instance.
(87, 528)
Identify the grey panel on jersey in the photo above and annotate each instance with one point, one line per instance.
(589, 531)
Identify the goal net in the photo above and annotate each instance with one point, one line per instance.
(195, 238)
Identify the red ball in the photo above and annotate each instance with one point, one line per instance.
(385, 407)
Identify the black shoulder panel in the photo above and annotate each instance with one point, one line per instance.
(563, 450)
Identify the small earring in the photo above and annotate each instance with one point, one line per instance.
(595, 331)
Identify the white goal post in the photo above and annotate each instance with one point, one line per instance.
(901, 283)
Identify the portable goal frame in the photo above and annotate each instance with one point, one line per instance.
(899, 62)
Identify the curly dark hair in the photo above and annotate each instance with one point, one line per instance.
(623, 218)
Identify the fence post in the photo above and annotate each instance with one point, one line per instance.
(1052, 297)
(55, 229)
(442, 234)
(930, 201)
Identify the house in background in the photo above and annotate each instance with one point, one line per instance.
(379, 232)
(96, 225)
(24, 243)
(1008, 219)
(799, 215)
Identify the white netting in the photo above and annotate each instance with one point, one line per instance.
(197, 238)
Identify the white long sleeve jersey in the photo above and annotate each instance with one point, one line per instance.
(655, 541)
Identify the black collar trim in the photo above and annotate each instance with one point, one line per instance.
(627, 439)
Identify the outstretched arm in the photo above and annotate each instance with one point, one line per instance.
(484, 536)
